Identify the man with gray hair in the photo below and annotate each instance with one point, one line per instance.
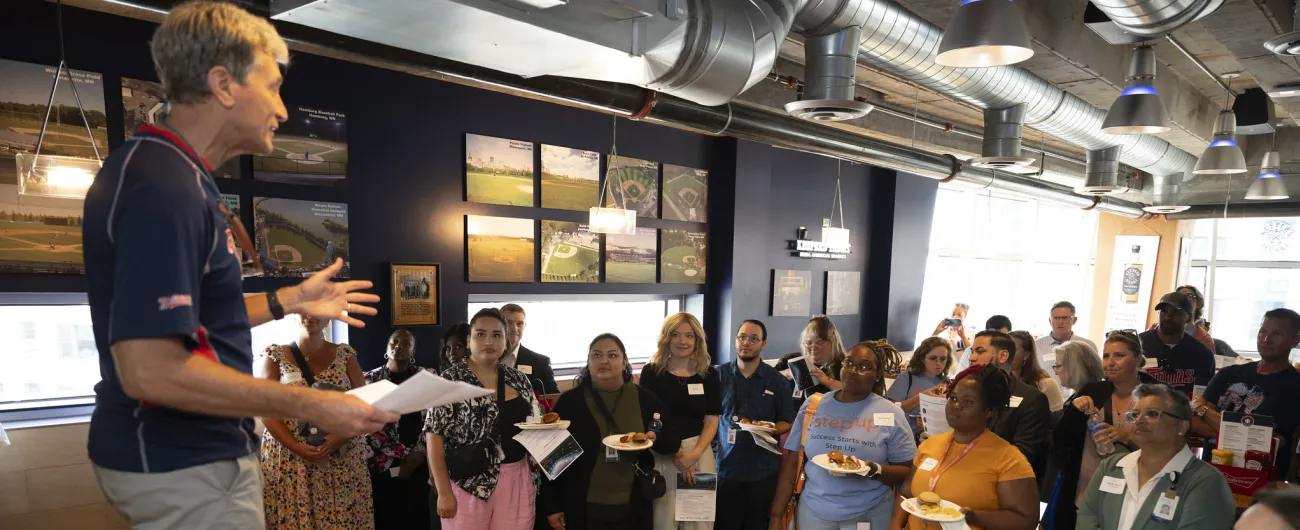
(171, 438)
(1062, 319)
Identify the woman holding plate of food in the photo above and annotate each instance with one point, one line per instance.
(859, 444)
(970, 467)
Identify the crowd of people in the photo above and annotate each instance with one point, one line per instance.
(1117, 450)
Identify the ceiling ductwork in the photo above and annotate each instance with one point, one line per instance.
(1287, 44)
(1102, 173)
(830, 78)
(1002, 138)
(1164, 194)
(1150, 18)
(905, 45)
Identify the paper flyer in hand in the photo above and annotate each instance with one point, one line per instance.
(933, 417)
(1245, 432)
(697, 502)
(421, 391)
(766, 442)
(803, 379)
(553, 450)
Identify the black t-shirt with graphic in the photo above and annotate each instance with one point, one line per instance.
(1241, 388)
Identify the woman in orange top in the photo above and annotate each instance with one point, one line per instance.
(971, 466)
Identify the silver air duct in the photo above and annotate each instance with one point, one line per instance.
(905, 45)
(1102, 176)
(1155, 17)
(1002, 137)
(1164, 194)
(830, 78)
(1287, 43)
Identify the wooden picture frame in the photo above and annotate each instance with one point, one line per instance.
(414, 289)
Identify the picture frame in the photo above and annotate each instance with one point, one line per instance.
(415, 290)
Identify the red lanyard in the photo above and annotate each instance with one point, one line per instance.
(934, 477)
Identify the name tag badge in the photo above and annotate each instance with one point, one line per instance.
(768, 393)
(290, 378)
(611, 454)
(883, 419)
(1152, 363)
(1015, 401)
(695, 389)
(1049, 358)
(525, 369)
(1165, 508)
(928, 464)
(1113, 485)
(731, 436)
(855, 526)
(394, 471)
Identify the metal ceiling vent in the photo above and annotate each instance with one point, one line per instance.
(1164, 194)
(1002, 137)
(1155, 17)
(1102, 173)
(831, 63)
(1287, 43)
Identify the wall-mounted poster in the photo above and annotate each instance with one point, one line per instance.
(791, 293)
(142, 103)
(570, 178)
(633, 185)
(570, 253)
(311, 147)
(498, 171)
(500, 249)
(232, 202)
(1132, 273)
(414, 290)
(686, 194)
(297, 238)
(683, 258)
(843, 292)
(631, 258)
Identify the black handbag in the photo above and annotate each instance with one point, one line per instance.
(470, 461)
(651, 483)
(310, 434)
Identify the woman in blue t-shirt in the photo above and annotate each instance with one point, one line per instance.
(857, 421)
(927, 370)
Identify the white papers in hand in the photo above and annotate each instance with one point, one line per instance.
(4, 438)
(766, 442)
(553, 450)
(933, 417)
(421, 391)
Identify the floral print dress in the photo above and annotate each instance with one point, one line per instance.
(329, 494)
(386, 447)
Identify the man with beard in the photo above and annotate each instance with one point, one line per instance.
(1183, 362)
(1269, 386)
(1026, 422)
(753, 391)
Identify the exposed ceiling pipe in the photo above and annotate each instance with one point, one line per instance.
(830, 78)
(1237, 210)
(1164, 194)
(1102, 173)
(1287, 44)
(1155, 17)
(1002, 139)
(905, 45)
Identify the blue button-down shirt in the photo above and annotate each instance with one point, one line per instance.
(764, 396)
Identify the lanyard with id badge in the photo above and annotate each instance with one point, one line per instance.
(611, 454)
(1166, 503)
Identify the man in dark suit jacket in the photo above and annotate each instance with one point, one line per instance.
(535, 365)
(1027, 421)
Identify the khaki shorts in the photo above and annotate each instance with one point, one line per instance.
(220, 495)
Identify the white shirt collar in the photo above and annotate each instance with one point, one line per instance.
(1177, 463)
(1055, 342)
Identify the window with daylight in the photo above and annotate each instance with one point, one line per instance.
(285, 331)
(1006, 254)
(1245, 267)
(562, 329)
(52, 355)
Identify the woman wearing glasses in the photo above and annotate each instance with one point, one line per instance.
(1161, 485)
(821, 345)
(599, 490)
(1074, 455)
(857, 421)
(928, 370)
(1077, 364)
(970, 466)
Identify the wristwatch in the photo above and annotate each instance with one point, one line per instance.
(1201, 410)
(273, 304)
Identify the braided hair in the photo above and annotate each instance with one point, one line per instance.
(888, 361)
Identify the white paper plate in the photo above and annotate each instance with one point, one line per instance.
(824, 462)
(612, 441)
(756, 428)
(561, 424)
(913, 507)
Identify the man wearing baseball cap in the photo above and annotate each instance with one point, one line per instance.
(1173, 356)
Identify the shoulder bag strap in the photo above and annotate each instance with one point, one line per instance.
(908, 392)
(305, 368)
(813, 402)
(501, 400)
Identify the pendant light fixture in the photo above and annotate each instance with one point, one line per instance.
(1268, 186)
(619, 220)
(984, 33)
(53, 175)
(1138, 109)
(1223, 156)
(832, 236)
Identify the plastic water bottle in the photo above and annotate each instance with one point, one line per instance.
(1095, 421)
(656, 424)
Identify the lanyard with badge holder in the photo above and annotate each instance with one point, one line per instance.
(611, 454)
(944, 465)
(1167, 504)
(252, 266)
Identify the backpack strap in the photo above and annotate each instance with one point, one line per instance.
(808, 414)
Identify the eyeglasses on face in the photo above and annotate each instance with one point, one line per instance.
(1150, 415)
(1062, 319)
(1057, 366)
(859, 368)
(1126, 332)
(818, 342)
(749, 339)
(936, 358)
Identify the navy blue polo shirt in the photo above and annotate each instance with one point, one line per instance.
(765, 396)
(161, 263)
(1185, 365)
